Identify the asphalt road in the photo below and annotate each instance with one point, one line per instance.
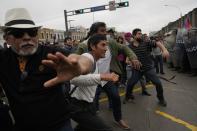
(144, 114)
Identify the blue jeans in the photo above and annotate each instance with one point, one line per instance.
(151, 75)
(111, 90)
(159, 63)
(99, 90)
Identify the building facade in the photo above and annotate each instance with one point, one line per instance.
(58, 35)
(46, 35)
(78, 33)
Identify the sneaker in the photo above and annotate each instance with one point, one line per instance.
(163, 103)
(193, 75)
(125, 100)
(122, 124)
(145, 93)
(128, 99)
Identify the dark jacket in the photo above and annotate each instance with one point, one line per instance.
(115, 48)
(33, 106)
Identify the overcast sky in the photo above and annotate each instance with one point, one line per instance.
(149, 15)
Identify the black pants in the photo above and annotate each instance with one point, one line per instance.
(84, 114)
(150, 74)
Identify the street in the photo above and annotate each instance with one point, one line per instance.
(144, 114)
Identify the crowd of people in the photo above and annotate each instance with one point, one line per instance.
(46, 87)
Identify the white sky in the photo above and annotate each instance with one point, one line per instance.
(149, 15)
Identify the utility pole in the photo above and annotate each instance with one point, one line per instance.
(66, 23)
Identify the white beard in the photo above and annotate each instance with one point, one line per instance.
(23, 52)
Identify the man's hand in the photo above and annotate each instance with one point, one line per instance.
(136, 64)
(66, 68)
(110, 77)
(165, 53)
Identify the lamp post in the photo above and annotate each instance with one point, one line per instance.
(179, 12)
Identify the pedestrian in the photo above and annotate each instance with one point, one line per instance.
(25, 76)
(158, 59)
(122, 59)
(68, 44)
(110, 64)
(83, 111)
(143, 51)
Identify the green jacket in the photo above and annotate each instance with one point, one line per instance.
(115, 48)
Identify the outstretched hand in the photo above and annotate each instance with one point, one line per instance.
(165, 54)
(66, 68)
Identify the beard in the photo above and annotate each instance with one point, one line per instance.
(24, 51)
(139, 39)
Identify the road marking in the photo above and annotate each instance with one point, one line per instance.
(172, 118)
(123, 93)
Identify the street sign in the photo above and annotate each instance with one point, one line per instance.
(97, 8)
(112, 5)
(123, 4)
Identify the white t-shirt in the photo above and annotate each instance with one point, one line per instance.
(104, 64)
(87, 84)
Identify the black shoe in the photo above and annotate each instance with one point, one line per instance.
(162, 73)
(163, 103)
(122, 124)
(181, 71)
(193, 75)
(145, 93)
(127, 99)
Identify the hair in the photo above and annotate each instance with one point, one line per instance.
(118, 39)
(111, 31)
(94, 28)
(94, 40)
(67, 38)
(134, 32)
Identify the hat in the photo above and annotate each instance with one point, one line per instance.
(128, 34)
(18, 18)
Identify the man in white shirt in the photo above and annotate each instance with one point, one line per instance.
(83, 110)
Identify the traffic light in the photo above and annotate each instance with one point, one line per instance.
(123, 4)
(80, 11)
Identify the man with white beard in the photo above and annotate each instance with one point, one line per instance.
(25, 77)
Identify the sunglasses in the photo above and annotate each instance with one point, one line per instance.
(19, 33)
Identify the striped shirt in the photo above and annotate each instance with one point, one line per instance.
(143, 52)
